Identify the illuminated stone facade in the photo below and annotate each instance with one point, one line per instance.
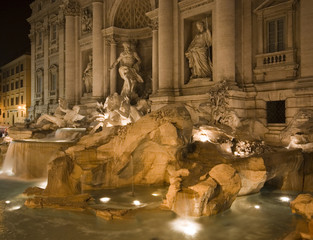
(15, 88)
(262, 48)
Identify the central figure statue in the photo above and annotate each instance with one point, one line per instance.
(129, 67)
(198, 53)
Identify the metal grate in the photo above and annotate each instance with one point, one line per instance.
(276, 112)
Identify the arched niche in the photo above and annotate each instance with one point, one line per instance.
(128, 23)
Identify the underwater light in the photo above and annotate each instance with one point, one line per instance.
(284, 199)
(186, 226)
(137, 203)
(7, 201)
(14, 208)
(155, 194)
(105, 199)
(257, 206)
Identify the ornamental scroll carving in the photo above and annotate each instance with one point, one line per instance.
(71, 8)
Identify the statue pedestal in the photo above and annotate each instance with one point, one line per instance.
(197, 86)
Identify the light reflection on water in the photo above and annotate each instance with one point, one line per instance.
(242, 222)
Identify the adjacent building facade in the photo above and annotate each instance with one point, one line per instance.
(262, 48)
(15, 90)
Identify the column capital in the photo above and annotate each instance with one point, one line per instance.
(71, 8)
(154, 24)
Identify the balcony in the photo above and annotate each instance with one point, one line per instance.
(276, 66)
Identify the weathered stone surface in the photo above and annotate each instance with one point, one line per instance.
(63, 178)
(230, 184)
(111, 214)
(208, 197)
(74, 202)
(141, 151)
(303, 205)
(33, 191)
(19, 133)
(252, 173)
(285, 169)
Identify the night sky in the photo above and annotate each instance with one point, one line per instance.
(14, 29)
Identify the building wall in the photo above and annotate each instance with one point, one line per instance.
(239, 52)
(15, 90)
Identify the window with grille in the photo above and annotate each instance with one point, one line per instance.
(276, 112)
(276, 35)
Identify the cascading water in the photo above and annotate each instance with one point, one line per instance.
(29, 158)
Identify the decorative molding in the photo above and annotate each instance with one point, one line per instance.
(154, 17)
(71, 8)
(120, 34)
(190, 4)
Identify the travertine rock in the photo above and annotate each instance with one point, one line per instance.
(285, 169)
(303, 205)
(208, 197)
(63, 178)
(74, 202)
(252, 173)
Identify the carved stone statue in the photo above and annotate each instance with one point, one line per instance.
(198, 53)
(87, 76)
(117, 111)
(86, 21)
(63, 117)
(129, 67)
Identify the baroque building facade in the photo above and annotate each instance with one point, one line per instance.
(261, 48)
(15, 90)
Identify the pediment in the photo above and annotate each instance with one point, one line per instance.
(271, 3)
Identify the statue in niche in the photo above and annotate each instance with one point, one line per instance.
(129, 67)
(87, 76)
(198, 53)
(86, 21)
(63, 117)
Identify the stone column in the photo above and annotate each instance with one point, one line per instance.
(225, 40)
(260, 33)
(97, 50)
(61, 43)
(32, 38)
(113, 71)
(306, 33)
(165, 47)
(45, 84)
(71, 10)
(155, 58)
(69, 58)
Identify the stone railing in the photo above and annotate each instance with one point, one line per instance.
(275, 58)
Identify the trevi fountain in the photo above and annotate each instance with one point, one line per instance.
(122, 171)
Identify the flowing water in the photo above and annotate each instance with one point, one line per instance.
(262, 216)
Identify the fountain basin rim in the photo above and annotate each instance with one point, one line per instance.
(31, 140)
